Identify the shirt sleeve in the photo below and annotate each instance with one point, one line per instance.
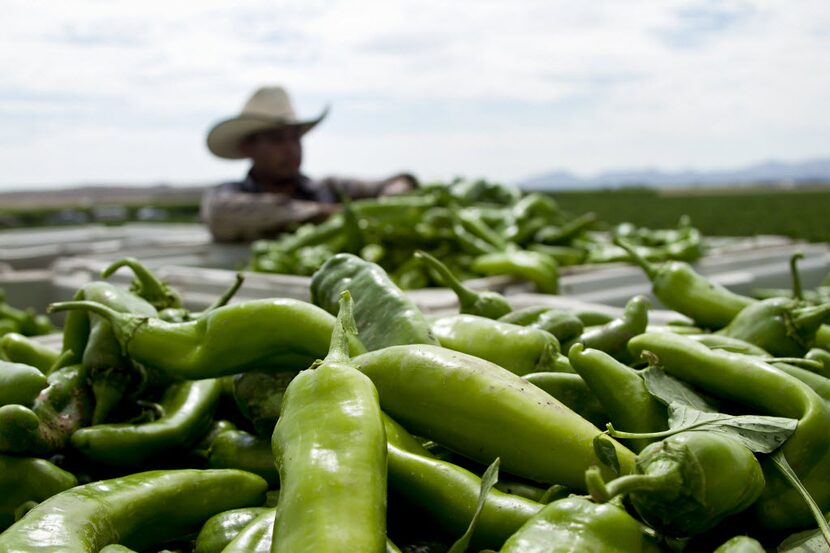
(240, 216)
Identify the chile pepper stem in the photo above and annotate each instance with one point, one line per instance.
(343, 328)
(229, 293)
(446, 278)
(80, 305)
(150, 284)
(648, 267)
(62, 361)
(796, 277)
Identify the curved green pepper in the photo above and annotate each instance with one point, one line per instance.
(384, 315)
(256, 537)
(16, 348)
(823, 356)
(571, 390)
(219, 530)
(576, 524)
(540, 269)
(679, 287)
(138, 510)
(20, 383)
(518, 349)
(612, 337)
(621, 391)
(783, 327)
(330, 449)
(562, 324)
(501, 414)
(449, 493)
(753, 382)
(25, 479)
(683, 486)
(237, 449)
(491, 305)
(279, 332)
(188, 412)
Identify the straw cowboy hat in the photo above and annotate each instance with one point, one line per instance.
(269, 108)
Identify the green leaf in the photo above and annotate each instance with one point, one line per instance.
(809, 541)
(491, 476)
(606, 453)
(803, 544)
(668, 389)
(760, 434)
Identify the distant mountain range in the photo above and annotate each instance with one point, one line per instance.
(769, 173)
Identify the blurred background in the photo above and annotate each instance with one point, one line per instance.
(638, 111)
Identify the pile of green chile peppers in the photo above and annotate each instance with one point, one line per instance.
(272, 425)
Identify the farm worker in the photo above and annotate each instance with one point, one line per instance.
(275, 195)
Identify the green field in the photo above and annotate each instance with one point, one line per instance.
(797, 213)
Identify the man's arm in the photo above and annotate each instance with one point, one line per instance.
(240, 216)
(355, 188)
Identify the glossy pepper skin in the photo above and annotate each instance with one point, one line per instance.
(727, 343)
(256, 537)
(613, 336)
(757, 384)
(188, 413)
(518, 349)
(573, 392)
(330, 449)
(577, 524)
(562, 324)
(491, 305)
(384, 315)
(501, 414)
(20, 383)
(741, 544)
(280, 333)
(17, 348)
(449, 493)
(679, 287)
(783, 327)
(536, 267)
(682, 486)
(25, 479)
(138, 510)
(220, 529)
(621, 391)
(60, 409)
(237, 449)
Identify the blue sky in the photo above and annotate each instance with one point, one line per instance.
(124, 92)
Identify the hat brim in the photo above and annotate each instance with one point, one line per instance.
(224, 138)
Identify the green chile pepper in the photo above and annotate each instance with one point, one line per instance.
(823, 356)
(741, 544)
(755, 383)
(220, 529)
(385, 316)
(727, 343)
(25, 479)
(491, 305)
(237, 449)
(188, 412)
(536, 267)
(517, 348)
(679, 287)
(502, 415)
(449, 493)
(571, 390)
(17, 348)
(256, 537)
(682, 486)
(612, 337)
(562, 324)
(25, 321)
(226, 341)
(20, 383)
(60, 409)
(576, 524)
(258, 395)
(621, 391)
(146, 285)
(330, 449)
(138, 510)
(783, 327)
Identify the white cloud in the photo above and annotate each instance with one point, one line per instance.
(122, 90)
